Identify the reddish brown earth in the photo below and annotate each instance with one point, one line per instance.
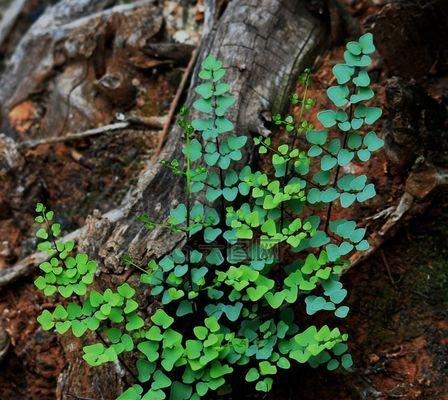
(398, 323)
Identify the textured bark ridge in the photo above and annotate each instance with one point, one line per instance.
(33, 59)
(416, 148)
(264, 44)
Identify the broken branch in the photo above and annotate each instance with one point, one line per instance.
(149, 122)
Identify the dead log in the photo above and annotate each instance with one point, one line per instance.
(5, 342)
(178, 52)
(9, 19)
(33, 58)
(263, 44)
(10, 157)
(415, 127)
(411, 36)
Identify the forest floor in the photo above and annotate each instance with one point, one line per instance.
(398, 327)
(398, 323)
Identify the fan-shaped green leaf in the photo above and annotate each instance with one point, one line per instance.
(338, 95)
(343, 73)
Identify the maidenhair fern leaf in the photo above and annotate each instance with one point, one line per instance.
(227, 300)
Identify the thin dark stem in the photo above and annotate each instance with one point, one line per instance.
(336, 176)
(188, 187)
(325, 150)
(290, 214)
(293, 142)
(222, 203)
(222, 213)
(309, 181)
(335, 238)
(210, 186)
(271, 148)
(188, 240)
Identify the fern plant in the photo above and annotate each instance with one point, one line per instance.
(227, 305)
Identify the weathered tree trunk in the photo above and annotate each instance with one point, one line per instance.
(263, 44)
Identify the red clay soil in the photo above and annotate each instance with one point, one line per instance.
(398, 323)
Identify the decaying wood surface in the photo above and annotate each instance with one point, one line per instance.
(416, 148)
(169, 52)
(263, 44)
(416, 126)
(411, 36)
(9, 18)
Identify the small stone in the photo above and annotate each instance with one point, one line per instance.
(181, 36)
(10, 158)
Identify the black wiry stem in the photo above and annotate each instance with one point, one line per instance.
(338, 169)
(222, 213)
(293, 142)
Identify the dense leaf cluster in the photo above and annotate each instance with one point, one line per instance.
(229, 304)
